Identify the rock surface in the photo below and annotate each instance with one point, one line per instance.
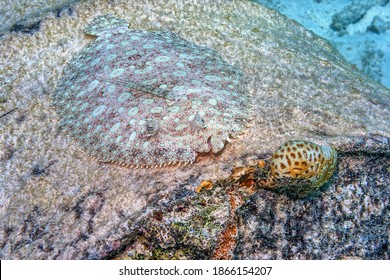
(56, 203)
(351, 219)
(25, 16)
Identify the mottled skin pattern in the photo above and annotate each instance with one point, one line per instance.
(301, 165)
(146, 99)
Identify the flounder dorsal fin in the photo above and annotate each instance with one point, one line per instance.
(103, 23)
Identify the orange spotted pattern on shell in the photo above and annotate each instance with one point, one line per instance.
(302, 163)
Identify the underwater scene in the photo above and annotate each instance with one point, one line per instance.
(194, 130)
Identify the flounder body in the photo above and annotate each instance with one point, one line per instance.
(141, 98)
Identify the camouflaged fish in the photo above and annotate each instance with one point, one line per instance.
(143, 99)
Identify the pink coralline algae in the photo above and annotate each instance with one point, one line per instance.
(144, 99)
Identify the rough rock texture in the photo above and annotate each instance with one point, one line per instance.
(26, 16)
(57, 203)
(350, 220)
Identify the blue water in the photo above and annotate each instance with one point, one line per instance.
(358, 29)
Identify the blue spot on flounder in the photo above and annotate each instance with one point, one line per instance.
(117, 72)
(99, 110)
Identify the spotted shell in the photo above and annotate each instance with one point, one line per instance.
(140, 98)
(303, 166)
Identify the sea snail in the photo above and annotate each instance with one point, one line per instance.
(301, 167)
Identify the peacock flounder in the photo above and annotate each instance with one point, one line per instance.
(143, 99)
